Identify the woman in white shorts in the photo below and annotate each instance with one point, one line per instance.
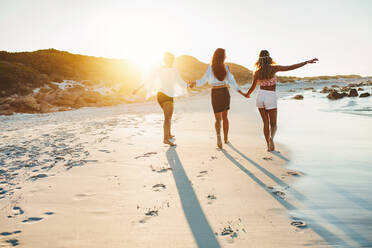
(266, 97)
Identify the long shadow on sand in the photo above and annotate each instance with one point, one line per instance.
(201, 230)
(327, 235)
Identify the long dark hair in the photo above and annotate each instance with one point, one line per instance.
(218, 65)
(264, 69)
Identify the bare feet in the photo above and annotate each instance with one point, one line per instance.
(168, 142)
(219, 141)
(226, 141)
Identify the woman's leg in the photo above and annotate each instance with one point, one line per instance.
(170, 120)
(217, 125)
(168, 111)
(225, 121)
(272, 119)
(266, 128)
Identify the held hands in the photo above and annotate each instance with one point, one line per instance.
(192, 85)
(312, 61)
(245, 95)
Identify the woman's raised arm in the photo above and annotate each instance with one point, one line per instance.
(293, 67)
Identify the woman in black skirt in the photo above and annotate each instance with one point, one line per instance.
(218, 75)
(166, 83)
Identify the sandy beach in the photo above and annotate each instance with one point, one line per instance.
(102, 178)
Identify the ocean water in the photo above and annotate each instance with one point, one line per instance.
(331, 144)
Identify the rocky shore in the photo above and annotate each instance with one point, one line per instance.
(52, 98)
(350, 90)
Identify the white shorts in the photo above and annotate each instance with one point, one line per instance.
(266, 99)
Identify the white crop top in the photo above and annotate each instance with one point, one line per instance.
(213, 81)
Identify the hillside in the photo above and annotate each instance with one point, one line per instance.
(51, 80)
(22, 72)
(56, 66)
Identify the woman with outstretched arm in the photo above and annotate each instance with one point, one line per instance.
(266, 98)
(166, 83)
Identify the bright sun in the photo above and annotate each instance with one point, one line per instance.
(143, 41)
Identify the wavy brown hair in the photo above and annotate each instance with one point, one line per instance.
(218, 65)
(264, 66)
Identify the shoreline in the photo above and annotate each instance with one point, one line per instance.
(132, 190)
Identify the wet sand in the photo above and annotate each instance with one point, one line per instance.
(102, 178)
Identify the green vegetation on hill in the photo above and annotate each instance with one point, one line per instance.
(16, 78)
(56, 66)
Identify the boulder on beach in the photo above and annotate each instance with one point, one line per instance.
(26, 104)
(4, 106)
(325, 90)
(366, 94)
(45, 107)
(353, 93)
(6, 112)
(298, 97)
(360, 89)
(333, 95)
(309, 88)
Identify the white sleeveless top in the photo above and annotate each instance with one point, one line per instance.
(166, 80)
(213, 81)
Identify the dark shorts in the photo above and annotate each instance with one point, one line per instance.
(220, 99)
(163, 98)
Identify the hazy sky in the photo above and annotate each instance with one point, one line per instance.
(338, 32)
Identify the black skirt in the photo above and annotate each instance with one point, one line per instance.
(220, 99)
(163, 98)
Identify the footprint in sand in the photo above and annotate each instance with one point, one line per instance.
(18, 210)
(293, 173)
(12, 242)
(277, 191)
(161, 169)
(228, 231)
(142, 221)
(159, 187)
(105, 151)
(32, 219)
(267, 158)
(36, 177)
(152, 212)
(10, 233)
(146, 155)
(202, 173)
(299, 224)
(83, 196)
(211, 198)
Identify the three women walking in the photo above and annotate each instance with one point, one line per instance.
(167, 83)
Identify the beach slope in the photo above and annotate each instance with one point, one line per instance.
(112, 183)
